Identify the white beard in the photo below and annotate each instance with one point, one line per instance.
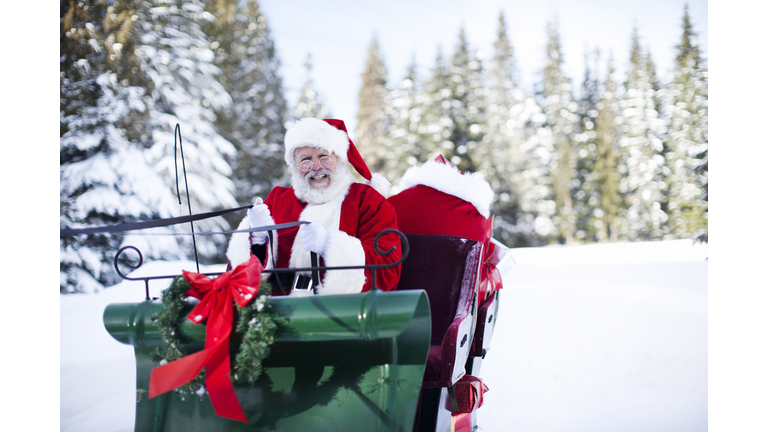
(323, 207)
(339, 185)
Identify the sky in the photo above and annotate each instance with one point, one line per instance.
(599, 338)
(338, 34)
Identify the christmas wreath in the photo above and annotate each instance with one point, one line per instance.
(255, 326)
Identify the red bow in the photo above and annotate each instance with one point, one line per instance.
(469, 393)
(216, 295)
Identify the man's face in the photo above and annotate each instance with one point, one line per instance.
(316, 165)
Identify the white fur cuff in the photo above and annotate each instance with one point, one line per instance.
(343, 250)
(239, 249)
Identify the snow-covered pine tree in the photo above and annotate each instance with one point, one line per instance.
(406, 112)
(702, 170)
(104, 178)
(372, 120)
(179, 61)
(687, 114)
(309, 103)
(585, 195)
(255, 121)
(467, 105)
(557, 102)
(501, 160)
(642, 140)
(536, 224)
(437, 125)
(610, 162)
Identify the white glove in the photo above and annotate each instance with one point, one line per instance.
(314, 236)
(258, 216)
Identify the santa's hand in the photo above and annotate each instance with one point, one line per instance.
(314, 236)
(258, 216)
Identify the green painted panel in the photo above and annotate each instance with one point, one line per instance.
(351, 362)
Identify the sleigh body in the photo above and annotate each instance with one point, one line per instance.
(349, 362)
(402, 360)
(378, 361)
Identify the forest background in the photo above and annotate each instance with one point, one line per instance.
(616, 157)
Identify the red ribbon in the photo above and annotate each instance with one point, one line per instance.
(469, 391)
(215, 307)
(461, 422)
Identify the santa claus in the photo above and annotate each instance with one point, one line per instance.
(345, 216)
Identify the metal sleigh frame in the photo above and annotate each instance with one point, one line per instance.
(315, 269)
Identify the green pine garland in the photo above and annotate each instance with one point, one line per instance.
(256, 324)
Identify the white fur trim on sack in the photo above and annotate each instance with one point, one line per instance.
(470, 187)
(315, 133)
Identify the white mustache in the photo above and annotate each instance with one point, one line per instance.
(313, 173)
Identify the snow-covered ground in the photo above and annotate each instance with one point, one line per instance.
(589, 338)
(600, 338)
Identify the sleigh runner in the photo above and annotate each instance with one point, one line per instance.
(407, 359)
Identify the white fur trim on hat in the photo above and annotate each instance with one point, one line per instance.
(448, 179)
(381, 184)
(313, 132)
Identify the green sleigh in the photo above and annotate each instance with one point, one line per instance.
(375, 361)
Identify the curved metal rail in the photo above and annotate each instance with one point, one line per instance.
(376, 247)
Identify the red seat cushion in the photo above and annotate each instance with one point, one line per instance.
(446, 267)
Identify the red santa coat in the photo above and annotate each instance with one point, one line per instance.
(352, 221)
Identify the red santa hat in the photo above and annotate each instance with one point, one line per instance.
(330, 135)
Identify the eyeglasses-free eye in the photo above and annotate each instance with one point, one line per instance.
(307, 165)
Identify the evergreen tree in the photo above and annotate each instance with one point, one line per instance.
(537, 221)
(372, 120)
(81, 56)
(179, 61)
(642, 140)
(114, 24)
(701, 169)
(609, 164)
(585, 195)
(437, 125)
(557, 102)
(501, 159)
(467, 105)
(104, 178)
(687, 112)
(255, 121)
(406, 112)
(309, 104)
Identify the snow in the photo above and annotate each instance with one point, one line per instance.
(601, 338)
(605, 337)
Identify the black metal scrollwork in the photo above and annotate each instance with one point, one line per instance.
(373, 267)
